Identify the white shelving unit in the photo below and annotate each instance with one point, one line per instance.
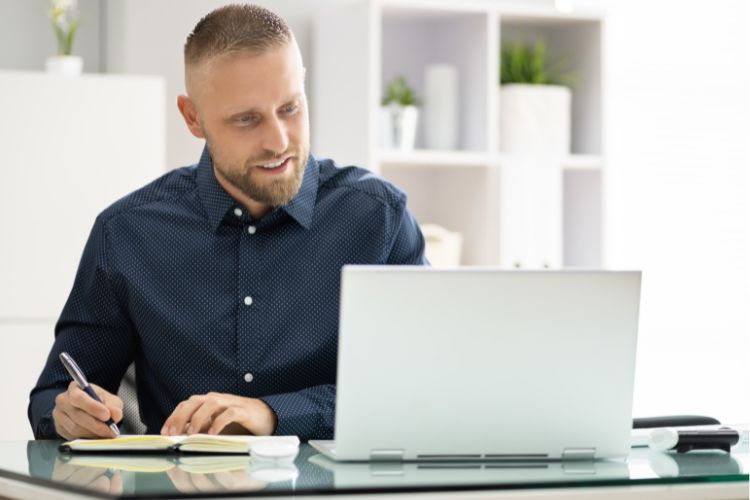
(513, 210)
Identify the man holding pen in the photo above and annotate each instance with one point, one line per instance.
(221, 280)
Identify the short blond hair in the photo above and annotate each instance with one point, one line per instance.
(235, 28)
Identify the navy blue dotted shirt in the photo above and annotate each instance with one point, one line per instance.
(180, 279)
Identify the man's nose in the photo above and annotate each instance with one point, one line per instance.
(275, 137)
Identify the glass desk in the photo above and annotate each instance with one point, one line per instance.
(38, 466)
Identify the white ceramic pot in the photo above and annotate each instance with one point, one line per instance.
(535, 119)
(64, 65)
(441, 106)
(398, 126)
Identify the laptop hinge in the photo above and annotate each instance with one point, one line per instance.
(579, 453)
(392, 455)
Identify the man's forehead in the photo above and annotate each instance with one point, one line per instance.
(249, 107)
(278, 72)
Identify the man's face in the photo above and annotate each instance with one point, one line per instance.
(252, 111)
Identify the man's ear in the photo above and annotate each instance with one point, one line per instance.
(190, 114)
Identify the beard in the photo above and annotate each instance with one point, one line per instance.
(265, 189)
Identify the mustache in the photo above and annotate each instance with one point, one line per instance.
(273, 158)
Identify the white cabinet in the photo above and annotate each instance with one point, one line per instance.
(71, 147)
(24, 346)
(522, 211)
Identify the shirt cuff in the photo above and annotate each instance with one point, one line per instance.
(40, 414)
(296, 415)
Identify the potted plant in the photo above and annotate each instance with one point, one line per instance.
(65, 21)
(535, 101)
(399, 115)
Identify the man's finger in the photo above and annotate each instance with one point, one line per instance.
(223, 419)
(116, 413)
(108, 398)
(82, 401)
(181, 415)
(61, 471)
(203, 483)
(203, 416)
(113, 403)
(84, 425)
(84, 476)
(180, 480)
(115, 485)
(62, 423)
(101, 483)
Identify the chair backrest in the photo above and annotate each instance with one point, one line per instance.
(131, 419)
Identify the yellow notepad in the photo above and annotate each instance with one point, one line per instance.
(198, 443)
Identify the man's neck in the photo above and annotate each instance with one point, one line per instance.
(256, 209)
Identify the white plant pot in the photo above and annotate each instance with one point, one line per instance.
(441, 106)
(64, 65)
(535, 119)
(398, 126)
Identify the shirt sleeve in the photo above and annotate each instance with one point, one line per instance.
(308, 413)
(93, 328)
(407, 244)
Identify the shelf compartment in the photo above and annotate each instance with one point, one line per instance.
(413, 38)
(458, 199)
(577, 41)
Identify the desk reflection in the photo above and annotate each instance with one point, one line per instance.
(91, 478)
(400, 475)
(144, 474)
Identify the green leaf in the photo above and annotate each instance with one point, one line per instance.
(399, 92)
(527, 63)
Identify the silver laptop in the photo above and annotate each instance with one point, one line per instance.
(484, 364)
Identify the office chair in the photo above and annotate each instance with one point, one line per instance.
(131, 417)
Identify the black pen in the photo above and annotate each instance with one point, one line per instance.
(80, 379)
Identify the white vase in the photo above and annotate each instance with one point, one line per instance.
(385, 121)
(535, 119)
(64, 65)
(441, 106)
(398, 126)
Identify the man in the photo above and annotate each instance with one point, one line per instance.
(221, 280)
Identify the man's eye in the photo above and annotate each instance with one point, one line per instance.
(245, 120)
(289, 109)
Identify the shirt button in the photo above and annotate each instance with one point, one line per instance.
(251, 229)
(248, 377)
(248, 300)
(238, 212)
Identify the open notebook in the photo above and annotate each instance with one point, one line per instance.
(196, 443)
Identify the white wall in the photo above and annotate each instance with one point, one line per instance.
(678, 196)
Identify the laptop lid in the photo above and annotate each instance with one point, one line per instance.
(478, 363)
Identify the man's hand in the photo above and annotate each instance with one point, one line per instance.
(78, 415)
(194, 482)
(97, 478)
(216, 413)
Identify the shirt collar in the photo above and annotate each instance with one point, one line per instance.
(217, 202)
(302, 206)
